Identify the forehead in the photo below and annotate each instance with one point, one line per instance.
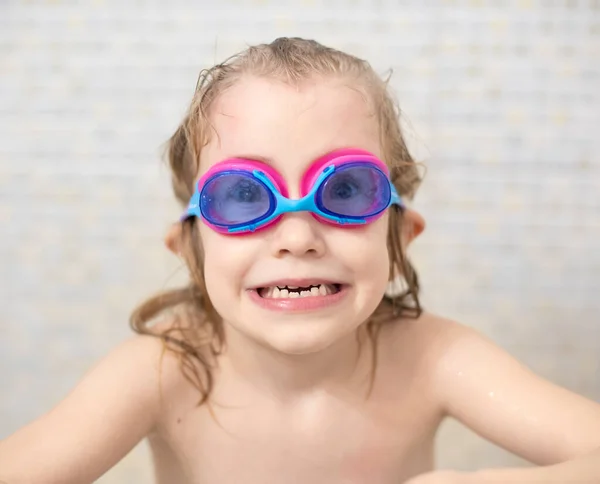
(291, 125)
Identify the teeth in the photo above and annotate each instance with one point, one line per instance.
(292, 291)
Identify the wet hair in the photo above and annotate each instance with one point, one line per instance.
(195, 330)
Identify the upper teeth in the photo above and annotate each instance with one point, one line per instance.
(292, 291)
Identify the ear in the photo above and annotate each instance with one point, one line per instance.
(173, 238)
(414, 225)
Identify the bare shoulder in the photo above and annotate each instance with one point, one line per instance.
(410, 351)
(167, 360)
(421, 352)
(113, 407)
(438, 349)
(143, 362)
(177, 370)
(479, 383)
(426, 340)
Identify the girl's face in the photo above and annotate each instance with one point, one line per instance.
(290, 127)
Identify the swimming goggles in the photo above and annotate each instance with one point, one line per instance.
(347, 187)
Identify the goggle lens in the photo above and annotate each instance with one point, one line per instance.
(354, 191)
(230, 199)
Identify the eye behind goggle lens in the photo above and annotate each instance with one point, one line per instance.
(231, 199)
(354, 191)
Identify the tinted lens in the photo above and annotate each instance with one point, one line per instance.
(355, 190)
(235, 198)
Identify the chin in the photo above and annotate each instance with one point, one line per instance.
(303, 338)
(295, 347)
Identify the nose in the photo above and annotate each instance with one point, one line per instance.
(298, 234)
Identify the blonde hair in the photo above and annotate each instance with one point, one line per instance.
(196, 333)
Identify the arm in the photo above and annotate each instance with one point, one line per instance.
(490, 392)
(105, 416)
(580, 470)
(583, 469)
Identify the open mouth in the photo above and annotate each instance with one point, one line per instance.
(290, 292)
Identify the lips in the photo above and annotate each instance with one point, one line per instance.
(298, 294)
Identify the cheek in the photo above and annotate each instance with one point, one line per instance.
(377, 263)
(226, 260)
(365, 250)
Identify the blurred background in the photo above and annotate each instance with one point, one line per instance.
(500, 99)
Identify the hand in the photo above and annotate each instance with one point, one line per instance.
(441, 477)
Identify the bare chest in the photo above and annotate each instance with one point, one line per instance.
(329, 440)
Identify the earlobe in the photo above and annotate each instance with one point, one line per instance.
(414, 225)
(173, 238)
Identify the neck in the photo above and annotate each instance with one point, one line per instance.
(288, 376)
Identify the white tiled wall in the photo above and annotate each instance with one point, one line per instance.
(502, 103)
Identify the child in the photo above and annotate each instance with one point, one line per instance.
(288, 359)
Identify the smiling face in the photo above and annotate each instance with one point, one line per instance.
(290, 127)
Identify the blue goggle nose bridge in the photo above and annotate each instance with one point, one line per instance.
(284, 204)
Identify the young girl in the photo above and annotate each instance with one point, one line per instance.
(288, 358)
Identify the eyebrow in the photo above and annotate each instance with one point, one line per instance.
(264, 159)
(271, 161)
